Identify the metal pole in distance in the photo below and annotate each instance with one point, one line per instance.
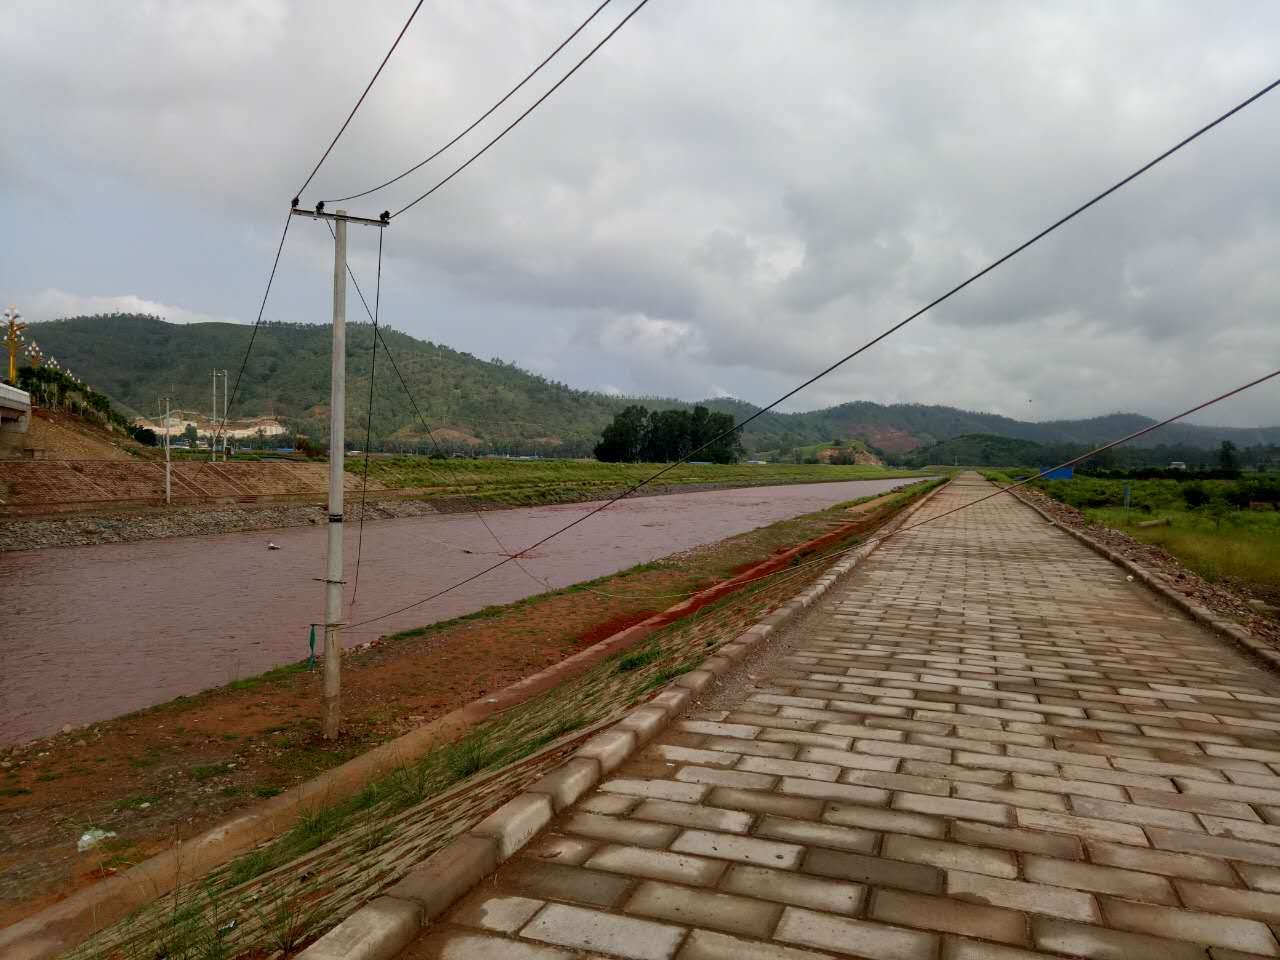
(168, 487)
(226, 426)
(213, 422)
(330, 707)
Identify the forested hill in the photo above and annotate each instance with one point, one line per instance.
(136, 359)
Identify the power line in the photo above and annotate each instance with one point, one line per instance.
(505, 552)
(866, 346)
(341, 130)
(368, 432)
(507, 96)
(253, 335)
(509, 127)
(1106, 446)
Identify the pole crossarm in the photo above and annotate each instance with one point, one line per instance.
(383, 221)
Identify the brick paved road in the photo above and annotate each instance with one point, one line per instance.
(984, 744)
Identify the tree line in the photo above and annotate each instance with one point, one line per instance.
(639, 435)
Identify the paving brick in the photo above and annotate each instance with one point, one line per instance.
(775, 723)
(1026, 841)
(949, 916)
(708, 945)
(817, 834)
(891, 821)
(726, 778)
(1241, 829)
(610, 748)
(693, 815)
(897, 781)
(789, 768)
(947, 771)
(1096, 943)
(1099, 879)
(703, 758)
(854, 937)
(726, 846)
(704, 908)
(756, 801)
(662, 789)
(876, 871)
(1214, 846)
(1207, 928)
(1180, 801)
(608, 805)
(950, 856)
(544, 881)
(488, 912)
(955, 808)
(629, 937)
(796, 889)
(1012, 796)
(1082, 826)
(631, 832)
(1266, 879)
(1119, 778)
(445, 943)
(1230, 900)
(956, 948)
(737, 730)
(561, 849)
(849, 793)
(656, 865)
(1027, 897)
(753, 748)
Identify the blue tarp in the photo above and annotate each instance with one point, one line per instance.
(1062, 473)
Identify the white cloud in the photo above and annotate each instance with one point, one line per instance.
(51, 304)
(729, 194)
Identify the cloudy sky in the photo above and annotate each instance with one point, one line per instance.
(727, 197)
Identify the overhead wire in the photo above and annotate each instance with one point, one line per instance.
(511, 126)
(368, 432)
(369, 86)
(505, 552)
(1057, 224)
(484, 116)
(1097, 450)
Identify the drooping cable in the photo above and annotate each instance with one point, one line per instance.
(484, 116)
(368, 430)
(509, 127)
(369, 86)
(866, 346)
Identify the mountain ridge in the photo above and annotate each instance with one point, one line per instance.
(493, 404)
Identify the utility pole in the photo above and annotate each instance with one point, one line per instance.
(225, 427)
(213, 422)
(330, 705)
(168, 467)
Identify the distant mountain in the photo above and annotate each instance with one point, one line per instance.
(489, 404)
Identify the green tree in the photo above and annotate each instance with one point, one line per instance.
(623, 439)
(190, 434)
(1228, 458)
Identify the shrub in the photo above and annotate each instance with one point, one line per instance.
(1195, 495)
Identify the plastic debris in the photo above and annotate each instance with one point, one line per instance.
(272, 546)
(91, 838)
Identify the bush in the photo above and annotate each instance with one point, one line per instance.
(1195, 495)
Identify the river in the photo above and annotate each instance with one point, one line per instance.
(89, 633)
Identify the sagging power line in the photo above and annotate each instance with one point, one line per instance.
(484, 116)
(1054, 226)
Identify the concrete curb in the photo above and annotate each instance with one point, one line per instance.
(1234, 632)
(71, 921)
(377, 931)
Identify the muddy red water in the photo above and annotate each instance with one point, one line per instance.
(89, 633)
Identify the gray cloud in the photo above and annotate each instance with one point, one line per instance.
(726, 199)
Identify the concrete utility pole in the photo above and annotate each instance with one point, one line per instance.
(330, 705)
(168, 467)
(225, 426)
(213, 422)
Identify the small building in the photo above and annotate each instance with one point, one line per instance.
(1177, 464)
